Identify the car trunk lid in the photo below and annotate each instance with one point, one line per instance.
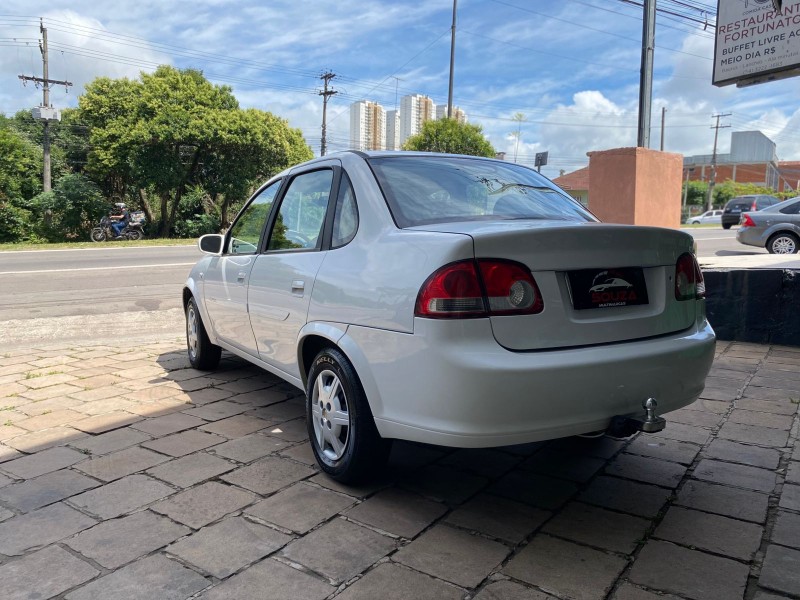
(601, 283)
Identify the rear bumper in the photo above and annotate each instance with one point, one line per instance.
(450, 384)
(731, 219)
(751, 236)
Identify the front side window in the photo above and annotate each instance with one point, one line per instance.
(423, 190)
(246, 231)
(298, 224)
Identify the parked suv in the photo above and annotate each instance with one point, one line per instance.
(736, 206)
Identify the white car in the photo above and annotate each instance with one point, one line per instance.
(446, 299)
(710, 216)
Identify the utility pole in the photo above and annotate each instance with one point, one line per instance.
(452, 62)
(47, 114)
(397, 81)
(712, 178)
(663, 119)
(326, 77)
(646, 74)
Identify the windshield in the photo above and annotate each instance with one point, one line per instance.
(421, 190)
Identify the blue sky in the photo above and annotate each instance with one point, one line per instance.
(570, 66)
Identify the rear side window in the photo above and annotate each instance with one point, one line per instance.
(792, 209)
(422, 190)
(345, 218)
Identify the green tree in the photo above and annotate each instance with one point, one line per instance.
(70, 210)
(69, 140)
(448, 135)
(172, 130)
(20, 179)
(20, 164)
(519, 119)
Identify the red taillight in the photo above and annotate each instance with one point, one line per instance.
(453, 291)
(510, 288)
(689, 282)
(469, 289)
(747, 221)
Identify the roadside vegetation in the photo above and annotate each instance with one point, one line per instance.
(697, 195)
(10, 246)
(169, 143)
(448, 135)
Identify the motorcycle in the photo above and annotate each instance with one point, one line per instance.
(134, 230)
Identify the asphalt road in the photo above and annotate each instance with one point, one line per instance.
(130, 294)
(717, 241)
(134, 293)
(57, 283)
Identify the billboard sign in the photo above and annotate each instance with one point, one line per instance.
(755, 42)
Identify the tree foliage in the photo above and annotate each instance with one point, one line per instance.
(20, 164)
(172, 130)
(70, 210)
(20, 179)
(448, 135)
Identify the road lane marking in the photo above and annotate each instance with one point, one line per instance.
(97, 268)
(709, 239)
(3, 252)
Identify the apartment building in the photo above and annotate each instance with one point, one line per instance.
(367, 126)
(458, 114)
(393, 130)
(415, 109)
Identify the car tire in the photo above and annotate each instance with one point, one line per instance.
(782, 243)
(726, 226)
(203, 355)
(341, 428)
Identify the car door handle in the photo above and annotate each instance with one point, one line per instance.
(241, 277)
(298, 287)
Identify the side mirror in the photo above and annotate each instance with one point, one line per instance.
(211, 244)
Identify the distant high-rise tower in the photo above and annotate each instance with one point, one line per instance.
(414, 111)
(458, 114)
(393, 130)
(367, 126)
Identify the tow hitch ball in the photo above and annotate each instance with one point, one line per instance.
(626, 426)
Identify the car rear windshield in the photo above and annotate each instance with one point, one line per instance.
(740, 204)
(421, 190)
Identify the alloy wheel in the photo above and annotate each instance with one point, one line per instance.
(331, 418)
(192, 338)
(784, 245)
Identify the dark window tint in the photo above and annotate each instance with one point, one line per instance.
(246, 231)
(345, 219)
(792, 209)
(422, 190)
(298, 224)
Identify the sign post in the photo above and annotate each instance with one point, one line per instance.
(540, 161)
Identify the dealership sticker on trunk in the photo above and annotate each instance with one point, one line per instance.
(604, 288)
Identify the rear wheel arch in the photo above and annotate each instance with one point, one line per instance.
(310, 347)
(789, 236)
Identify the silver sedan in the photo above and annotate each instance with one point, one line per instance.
(449, 300)
(776, 228)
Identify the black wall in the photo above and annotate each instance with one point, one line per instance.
(759, 305)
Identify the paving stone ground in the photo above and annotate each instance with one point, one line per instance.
(124, 473)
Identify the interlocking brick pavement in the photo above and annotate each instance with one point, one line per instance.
(124, 473)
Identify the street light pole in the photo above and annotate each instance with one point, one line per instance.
(452, 62)
(646, 74)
